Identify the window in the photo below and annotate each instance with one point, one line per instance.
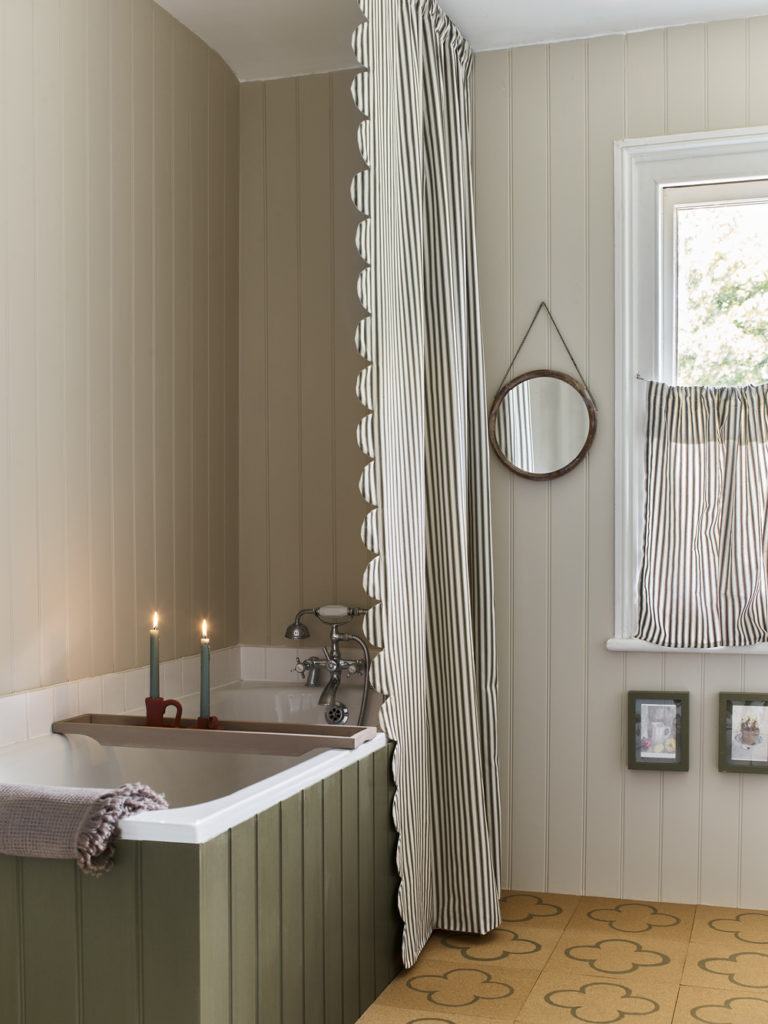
(691, 298)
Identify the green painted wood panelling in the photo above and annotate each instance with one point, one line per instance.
(366, 883)
(332, 900)
(170, 933)
(51, 930)
(110, 941)
(242, 903)
(350, 895)
(268, 925)
(292, 909)
(285, 919)
(10, 940)
(215, 937)
(312, 872)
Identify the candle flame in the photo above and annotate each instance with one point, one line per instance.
(205, 629)
(155, 620)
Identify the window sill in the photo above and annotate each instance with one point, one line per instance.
(626, 645)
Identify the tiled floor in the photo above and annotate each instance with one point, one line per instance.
(565, 959)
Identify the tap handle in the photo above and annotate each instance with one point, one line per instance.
(300, 667)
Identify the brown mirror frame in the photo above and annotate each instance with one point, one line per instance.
(591, 412)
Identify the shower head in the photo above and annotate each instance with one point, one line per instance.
(297, 630)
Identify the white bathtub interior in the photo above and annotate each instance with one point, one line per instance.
(207, 792)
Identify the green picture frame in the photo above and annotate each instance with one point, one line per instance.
(657, 730)
(740, 748)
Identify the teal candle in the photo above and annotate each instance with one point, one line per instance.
(154, 659)
(205, 673)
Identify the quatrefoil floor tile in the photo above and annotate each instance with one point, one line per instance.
(729, 928)
(579, 999)
(437, 988)
(715, 1006)
(619, 956)
(633, 918)
(514, 946)
(536, 909)
(392, 1015)
(743, 971)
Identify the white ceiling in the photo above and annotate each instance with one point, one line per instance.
(276, 38)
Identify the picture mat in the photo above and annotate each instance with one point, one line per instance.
(757, 751)
(658, 725)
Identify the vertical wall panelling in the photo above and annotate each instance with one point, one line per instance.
(493, 139)
(332, 899)
(686, 79)
(757, 71)
(531, 523)
(300, 510)
(119, 181)
(162, 338)
(292, 907)
(122, 315)
(569, 604)
(145, 348)
(575, 818)
(255, 581)
(49, 343)
(283, 368)
(349, 508)
(603, 696)
(316, 340)
(98, 365)
(727, 74)
(22, 498)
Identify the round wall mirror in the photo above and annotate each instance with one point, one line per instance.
(542, 424)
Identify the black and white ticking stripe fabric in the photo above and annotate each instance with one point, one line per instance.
(432, 576)
(703, 577)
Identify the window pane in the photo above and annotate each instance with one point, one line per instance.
(722, 294)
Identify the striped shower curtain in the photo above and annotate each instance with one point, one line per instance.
(703, 580)
(430, 532)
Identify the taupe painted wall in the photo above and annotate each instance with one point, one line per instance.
(574, 818)
(300, 509)
(118, 338)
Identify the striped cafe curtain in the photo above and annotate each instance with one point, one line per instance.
(431, 578)
(703, 576)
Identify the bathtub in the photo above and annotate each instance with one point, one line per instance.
(265, 891)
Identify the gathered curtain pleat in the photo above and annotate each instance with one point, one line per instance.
(429, 479)
(703, 580)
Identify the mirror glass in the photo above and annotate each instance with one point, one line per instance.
(542, 424)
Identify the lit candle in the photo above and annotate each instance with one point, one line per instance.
(154, 655)
(205, 673)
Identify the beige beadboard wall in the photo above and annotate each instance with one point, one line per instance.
(300, 508)
(575, 819)
(118, 338)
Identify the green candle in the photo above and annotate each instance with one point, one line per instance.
(154, 659)
(205, 673)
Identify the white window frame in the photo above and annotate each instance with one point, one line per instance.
(643, 168)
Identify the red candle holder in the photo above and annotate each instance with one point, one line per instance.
(156, 712)
(208, 723)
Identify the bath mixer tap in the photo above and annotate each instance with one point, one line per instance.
(333, 660)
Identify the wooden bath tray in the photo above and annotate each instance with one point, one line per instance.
(230, 737)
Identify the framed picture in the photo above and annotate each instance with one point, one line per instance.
(657, 733)
(743, 728)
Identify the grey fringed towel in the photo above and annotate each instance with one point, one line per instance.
(61, 823)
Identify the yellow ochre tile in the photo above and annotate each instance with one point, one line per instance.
(714, 1006)
(516, 946)
(559, 999)
(633, 918)
(390, 1015)
(436, 987)
(544, 910)
(731, 928)
(625, 958)
(743, 971)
